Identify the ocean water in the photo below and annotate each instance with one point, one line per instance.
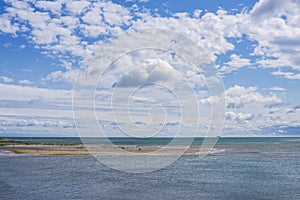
(248, 168)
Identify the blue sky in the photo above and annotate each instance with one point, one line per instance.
(253, 44)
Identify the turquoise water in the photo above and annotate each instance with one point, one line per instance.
(249, 168)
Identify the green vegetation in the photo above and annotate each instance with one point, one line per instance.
(9, 141)
(43, 152)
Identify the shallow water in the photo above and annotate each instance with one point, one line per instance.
(246, 170)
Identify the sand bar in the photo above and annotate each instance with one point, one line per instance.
(93, 149)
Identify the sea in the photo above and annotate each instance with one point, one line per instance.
(242, 168)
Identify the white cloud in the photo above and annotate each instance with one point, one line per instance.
(59, 76)
(67, 24)
(288, 75)
(239, 96)
(25, 82)
(267, 8)
(249, 110)
(53, 6)
(294, 76)
(115, 14)
(230, 115)
(280, 73)
(209, 31)
(29, 110)
(264, 24)
(241, 117)
(94, 30)
(93, 17)
(6, 25)
(153, 70)
(274, 63)
(6, 79)
(274, 25)
(238, 117)
(77, 7)
(7, 44)
(26, 126)
(235, 64)
(34, 122)
(16, 92)
(26, 70)
(276, 88)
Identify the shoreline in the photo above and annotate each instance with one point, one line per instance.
(64, 148)
(61, 149)
(127, 147)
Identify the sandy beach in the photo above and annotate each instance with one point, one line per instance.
(80, 149)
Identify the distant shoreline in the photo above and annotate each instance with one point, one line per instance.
(61, 148)
(96, 149)
(133, 146)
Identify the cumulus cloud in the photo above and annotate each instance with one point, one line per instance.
(57, 76)
(77, 26)
(235, 64)
(239, 117)
(52, 6)
(273, 25)
(249, 110)
(6, 79)
(32, 110)
(238, 96)
(209, 31)
(6, 26)
(67, 23)
(288, 75)
(276, 8)
(267, 8)
(34, 122)
(25, 82)
(76, 7)
(153, 70)
(24, 126)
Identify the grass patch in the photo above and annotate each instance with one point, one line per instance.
(51, 152)
(8, 141)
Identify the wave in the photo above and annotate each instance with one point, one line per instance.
(7, 153)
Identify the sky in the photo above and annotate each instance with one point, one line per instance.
(254, 45)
